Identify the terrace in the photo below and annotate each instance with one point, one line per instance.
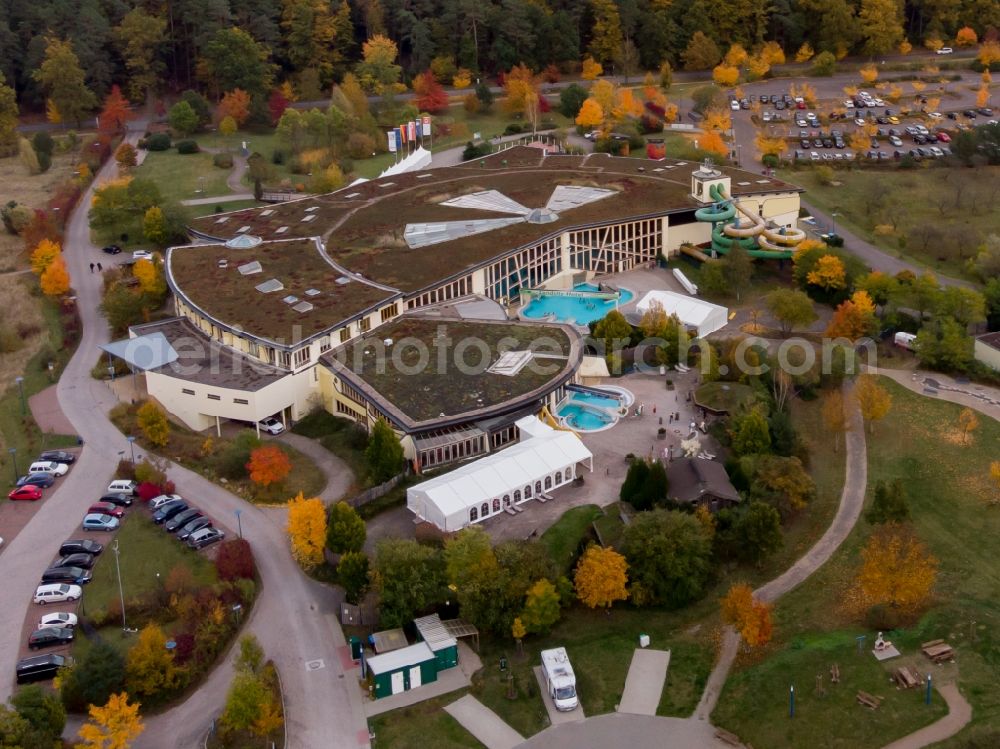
(284, 291)
(437, 368)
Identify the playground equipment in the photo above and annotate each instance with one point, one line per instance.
(748, 229)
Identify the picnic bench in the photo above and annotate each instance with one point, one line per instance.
(938, 651)
(907, 677)
(834, 674)
(868, 700)
(728, 737)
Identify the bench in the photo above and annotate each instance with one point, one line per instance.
(730, 738)
(868, 700)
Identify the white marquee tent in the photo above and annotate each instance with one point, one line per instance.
(544, 459)
(694, 313)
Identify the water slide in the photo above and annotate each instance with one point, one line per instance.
(749, 229)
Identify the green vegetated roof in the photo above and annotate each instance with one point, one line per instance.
(436, 368)
(725, 396)
(363, 225)
(229, 296)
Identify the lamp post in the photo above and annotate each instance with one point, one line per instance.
(131, 447)
(20, 386)
(833, 220)
(121, 592)
(239, 522)
(791, 701)
(13, 459)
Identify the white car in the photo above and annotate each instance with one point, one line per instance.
(57, 619)
(945, 51)
(142, 255)
(848, 104)
(895, 140)
(271, 425)
(859, 121)
(157, 502)
(47, 466)
(56, 593)
(734, 104)
(934, 115)
(937, 151)
(813, 156)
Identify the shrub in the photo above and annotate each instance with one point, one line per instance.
(146, 472)
(824, 64)
(473, 151)
(158, 142)
(513, 129)
(125, 470)
(231, 462)
(222, 160)
(147, 491)
(187, 146)
(360, 146)
(16, 218)
(278, 156)
(234, 560)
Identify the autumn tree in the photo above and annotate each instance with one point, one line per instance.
(8, 116)
(141, 39)
(835, 420)
(750, 617)
(541, 608)
(43, 255)
(114, 112)
(897, 571)
(773, 53)
(55, 278)
(888, 504)
(701, 53)
(591, 69)
(521, 93)
(881, 25)
(114, 725)
(989, 53)
(378, 72)
(269, 464)
(873, 400)
(712, 143)
(62, 79)
(154, 228)
(725, 75)
(430, 96)
(606, 31)
(853, 318)
(245, 701)
(804, 53)
(828, 274)
(791, 308)
(461, 79)
(235, 104)
(966, 37)
(150, 275)
(153, 423)
(868, 73)
(277, 103)
(769, 145)
(779, 481)
(307, 530)
(968, 422)
(149, 666)
(345, 529)
(125, 155)
(591, 115)
(518, 632)
(601, 577)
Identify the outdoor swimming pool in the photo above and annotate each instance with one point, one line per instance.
(595, 409)
(585, 419)
(592, 399)
(575, 309)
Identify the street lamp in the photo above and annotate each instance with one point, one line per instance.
(121, 592)
(239, 522)
(20, 386)
(13, 458)
(833, 219)
(131, 447)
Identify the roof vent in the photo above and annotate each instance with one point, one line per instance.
(223, 262)
(222, 219)
(269, 286)
(243, 229)
(312, 208)
(387, 341)
(267, 212)
(302, 307)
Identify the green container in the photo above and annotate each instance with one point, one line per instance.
(356, 647)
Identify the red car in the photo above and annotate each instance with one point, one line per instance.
(106, 508)
(943, 137)
(28, 491)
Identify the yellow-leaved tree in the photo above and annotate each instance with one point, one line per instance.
(713, 143)
(828, 274)
(149, 666)
(307, 530)
(591, 114)
(601, 577)
(897, 570)
(773, 53)
(153, 423)
(150, 275)
(55, 278)
(750, 617)
(805, 53)
(725, 75)
(462, 78)
(114, 725)
(591, 69)
(43, 255)
(968, 422)
(873, 399)
(768, 145)
(868, 73)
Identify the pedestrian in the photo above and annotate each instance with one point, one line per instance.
(99, 268)
(91, 267)
(654, 411)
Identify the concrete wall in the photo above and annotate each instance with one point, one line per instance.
(987, 355)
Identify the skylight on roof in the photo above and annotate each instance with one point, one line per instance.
(386, 184)
(742, 184)
(270, 286)
(243, 229)
(424, 175)
(222, 219)
(343, 280)
(312, 208)
(303, 307)
(313, 292)
(281, 230)
(510, 363)
(290, 299)
(248, 269)
(352, 195)
(763, 181)
(267, 212)
(307, 219)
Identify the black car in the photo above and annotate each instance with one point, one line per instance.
(194, 525)
(75, 575)
(817, 143)
(43, 638)
(805, 143)
(778, 104)
(111, 249)
(168, 510)
(882, 120)
(40, 667)
(951, 116)
(970, 114)
(117, 498)
(86, 561)
(58, 456)
(42, 479)
(839, 143)
(181, 519)
(931, 138)
(80, 546)
(920, 139)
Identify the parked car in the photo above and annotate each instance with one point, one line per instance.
(734, 105)
(944, 137)
(99, 522)
(48, 466)
(970, 114)
(934, 115)
(805, 143)
(985, 111)
(181, 519)
(42, 480)
(193, 525)
(936, 152)
(57, 619)
(142, 255)
(29, 492)
(80, 559)
(169, 510)
(81, 546)
(205, 537)
(49, 636)
(271, 425)
(58, 456)
(895, 141)
(157, 502)
(123, 486)
(57, 593)
(112, 249)
(944, 50)
(117, 498)
(41, 667)
(106, 508)
(893, 119)
(75, 575)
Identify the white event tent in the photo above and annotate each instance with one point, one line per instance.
(545, 458)
(693, 313)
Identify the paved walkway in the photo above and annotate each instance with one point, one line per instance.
(339, 477)
(644, 683)
(982, 398)
(48, 415)
(959, 714)
(483, 723)
(556, 717)
(629, 731)
(219, 199)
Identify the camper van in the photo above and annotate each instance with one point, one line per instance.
(559, 679)
(904, 340)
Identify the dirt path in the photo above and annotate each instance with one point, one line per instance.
(959, 714)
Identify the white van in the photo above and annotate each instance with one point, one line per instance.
(122, 485)
(560, 681)
(48, 466)
(56, 593)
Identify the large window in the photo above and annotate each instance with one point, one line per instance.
(473, 515)
(301, 356)
(616, 247)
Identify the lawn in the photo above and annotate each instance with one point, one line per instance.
(946, 498)
(725, 396)
(563, 538)
(940, 214)
(183, 176)
(414, 726)
(145, 551)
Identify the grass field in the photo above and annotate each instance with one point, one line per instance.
(425, 723)
(563, 538)
(813, 629)
(940, 214)
(181, 176)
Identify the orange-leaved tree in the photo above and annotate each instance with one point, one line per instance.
(43, 255)
(601, 577)
(873, 399)
(897, 570)
(725, 75)
(750, 617)
(115, 112)
(713, 143)
(868, 73)
(968, 422)
(430, 96)
(307, 530)
(235, 104)
(828, 274)
(853, 318)
(269, 464)
(114, 725)
(591, 114)
(989, 53)
(966, 37)
(55, 278)
(591, 69)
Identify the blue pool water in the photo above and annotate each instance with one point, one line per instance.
(573, 309)
(584, 419)
(592, 399)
